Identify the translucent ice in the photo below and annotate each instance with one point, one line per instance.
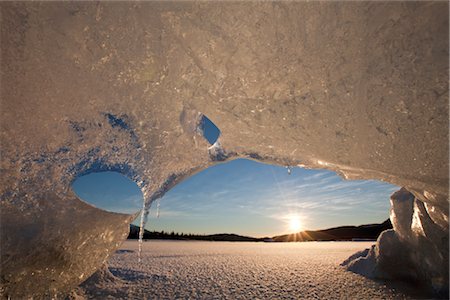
(158, 205)
(289, 171)
(122, 86)
(143, 221)
(416, 248)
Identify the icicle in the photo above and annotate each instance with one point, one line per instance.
(144, 215)
(289, 170)
(158, 204)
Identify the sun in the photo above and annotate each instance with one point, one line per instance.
(294, 224)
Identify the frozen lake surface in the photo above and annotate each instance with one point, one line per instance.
(235, 270)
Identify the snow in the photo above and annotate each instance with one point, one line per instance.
(226, 270)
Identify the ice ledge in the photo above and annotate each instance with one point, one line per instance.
(415, 250)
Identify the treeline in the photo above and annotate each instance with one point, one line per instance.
(162, 235)
(342, 233)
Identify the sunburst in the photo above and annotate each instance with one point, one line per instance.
(295, 224)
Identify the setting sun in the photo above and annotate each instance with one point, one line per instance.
(295, 224)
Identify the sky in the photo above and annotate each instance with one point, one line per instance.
(248, 198)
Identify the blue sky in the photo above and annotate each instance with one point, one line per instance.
(247, 197)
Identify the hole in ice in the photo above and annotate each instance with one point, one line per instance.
(249, 198)
(110, 191)
(210, 131)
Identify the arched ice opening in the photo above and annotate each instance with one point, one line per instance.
(360, 88)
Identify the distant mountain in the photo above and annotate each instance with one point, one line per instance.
(342, 233)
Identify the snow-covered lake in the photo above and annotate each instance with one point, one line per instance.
(227, 270)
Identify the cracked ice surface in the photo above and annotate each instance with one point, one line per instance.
(121, 86)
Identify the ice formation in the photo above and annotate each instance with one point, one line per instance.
(414, 249)
(158, 207)
(143, 221)
(289, 171)
(356, 87)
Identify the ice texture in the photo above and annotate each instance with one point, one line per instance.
(142, 222)
(360, 88)
(416, 247)
(229, 270)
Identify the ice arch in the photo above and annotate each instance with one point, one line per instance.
(359, 88)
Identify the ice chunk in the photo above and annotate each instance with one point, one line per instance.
(415, 250)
